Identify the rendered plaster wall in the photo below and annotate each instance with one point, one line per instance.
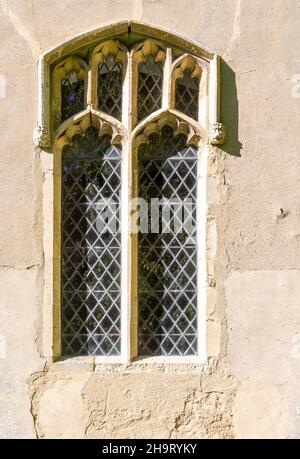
(250, 387)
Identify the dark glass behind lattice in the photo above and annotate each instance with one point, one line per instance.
(167, 261)
(110, 81)
(149, 87)
(91, 170)
(72, 96)
(187, 95)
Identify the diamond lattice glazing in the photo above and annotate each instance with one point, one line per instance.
(72, 96)
(187, 95)
(110, 80)
(149, 87)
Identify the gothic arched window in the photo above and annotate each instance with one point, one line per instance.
(129, 121)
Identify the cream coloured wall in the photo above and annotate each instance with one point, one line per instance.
(249, 388)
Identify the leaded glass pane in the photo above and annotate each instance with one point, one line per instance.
(149, 87)
(72, 96)
(110, 80)
(187, 94)
(91, 172)
(167, 259)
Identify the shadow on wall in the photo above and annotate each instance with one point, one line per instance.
(230, 111)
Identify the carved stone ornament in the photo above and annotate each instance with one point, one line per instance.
(149, 47)
(178, 126)
(79, 128)
(217, 134)
(187, 63)
(203, 67)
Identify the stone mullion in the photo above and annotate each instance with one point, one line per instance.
(166, 96)
(126, 241)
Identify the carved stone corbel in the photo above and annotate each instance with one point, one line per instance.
(217, 133)
(41, 137)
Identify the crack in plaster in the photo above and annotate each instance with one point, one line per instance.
(20, 268)
(180, 418)
(33, 391)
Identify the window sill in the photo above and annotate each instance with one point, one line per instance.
(115, 364)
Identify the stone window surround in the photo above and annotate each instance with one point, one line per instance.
(209, 130)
